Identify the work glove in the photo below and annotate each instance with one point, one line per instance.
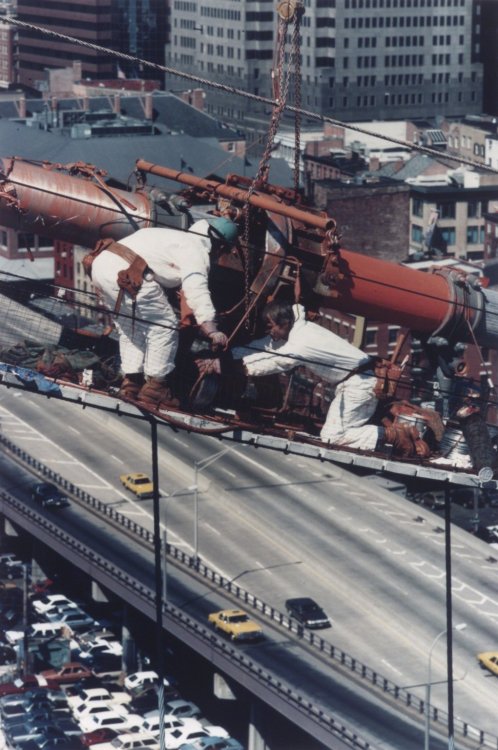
(208, 366)
(218, 339)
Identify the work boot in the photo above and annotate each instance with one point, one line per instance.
(157, 393)
(405, 440)
(131, 385)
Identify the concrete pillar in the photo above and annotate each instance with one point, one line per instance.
(222, 689)
(97, 594)
(129, 661)
(257, 727)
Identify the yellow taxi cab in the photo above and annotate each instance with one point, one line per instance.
(236, 624)
(139, 484)
(489, 660)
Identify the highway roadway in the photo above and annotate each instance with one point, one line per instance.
(285, 526)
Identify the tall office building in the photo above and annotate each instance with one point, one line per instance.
(136, 27)
(89, 21)
(361, 59)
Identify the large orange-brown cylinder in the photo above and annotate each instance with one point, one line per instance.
(383, 291)
(53, 204)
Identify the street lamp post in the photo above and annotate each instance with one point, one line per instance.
(176, 493)
(198, 467)
(459, 627)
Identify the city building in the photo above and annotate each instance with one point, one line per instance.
(361, 59)
(90, 21)
(8, 37)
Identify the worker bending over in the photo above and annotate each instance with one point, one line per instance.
(132, 275)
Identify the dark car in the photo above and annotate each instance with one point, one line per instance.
(104, 734)
(49, 496)
(11, 569)
(307, 612)
(24, 684)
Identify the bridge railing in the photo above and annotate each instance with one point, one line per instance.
(314, 640)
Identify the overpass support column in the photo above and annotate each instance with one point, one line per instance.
(129, 661)
(7, 531)
(258, 727)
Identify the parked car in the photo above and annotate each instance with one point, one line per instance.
(98, 736)
(76, 619)
(34, 730)
(25, 683)
(49, 496)
(107, 666)
(236, 624)
(182, 709)
(11, 569)
(307, 612)
(54, 743)
(151, 723)
(89, 696)
(112, 719)
(147, 700)
(489, 660)
(141, 680)
(174, 738)
(213, 743)
(68, 673)
(95, 651)
(8, 655)
(140, 484)
(35, 630)
(100, 708)
(45, 603)
(133, 741)
(97, 634)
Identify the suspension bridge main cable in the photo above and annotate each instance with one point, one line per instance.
(234, 91)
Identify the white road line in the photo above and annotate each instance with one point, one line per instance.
(211, 528)
(181, 442)
(230, 473)
(388, 664)
(260, 466)
(116, 458)
(70, 427)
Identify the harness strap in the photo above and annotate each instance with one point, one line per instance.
(129, 279)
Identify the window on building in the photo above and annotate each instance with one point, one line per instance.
(417, 207)
(417, 234)
(371, 337)
(446, 210)
(448, 235)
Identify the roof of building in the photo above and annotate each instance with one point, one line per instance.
(117, 155)
(40, 270)
(169, 112)
(409, 169)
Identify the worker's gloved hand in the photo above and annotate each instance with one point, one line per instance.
(218, 339)
(208, 366)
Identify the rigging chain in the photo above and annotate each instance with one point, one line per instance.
(288, 10)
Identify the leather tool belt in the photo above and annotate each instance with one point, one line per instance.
(129, 279)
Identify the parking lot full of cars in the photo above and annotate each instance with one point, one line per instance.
(87, 700)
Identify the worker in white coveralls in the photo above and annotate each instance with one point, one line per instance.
(293, 341)
(132, 275)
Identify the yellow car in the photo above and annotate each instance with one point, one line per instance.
(489, 660)
(139, 484)
(236, 624)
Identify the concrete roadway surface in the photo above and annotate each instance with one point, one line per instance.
(287, 526)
